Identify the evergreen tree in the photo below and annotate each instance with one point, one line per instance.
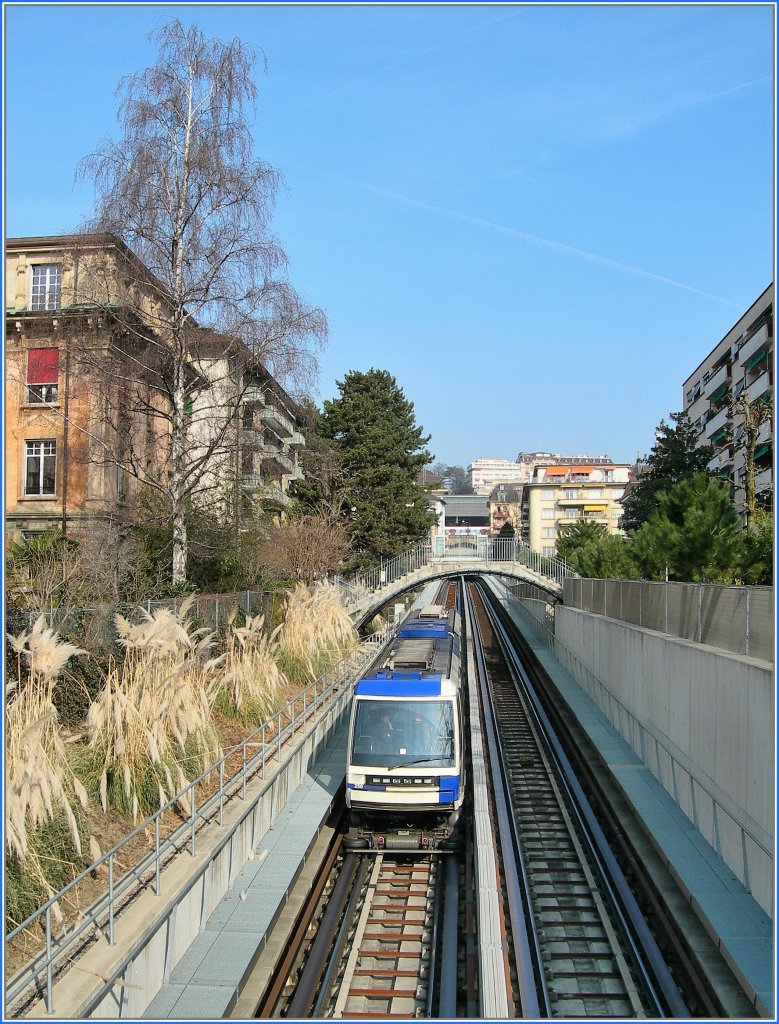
(381, 452)
(575, 535)
(693, 535)
(674, 457)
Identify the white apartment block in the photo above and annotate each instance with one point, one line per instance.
(741, 364)
(562, 494)
(486, 474)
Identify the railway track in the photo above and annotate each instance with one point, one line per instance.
(532, 918)
(387, 970)
(578, 954)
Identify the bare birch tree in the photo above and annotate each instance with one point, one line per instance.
(205, 298)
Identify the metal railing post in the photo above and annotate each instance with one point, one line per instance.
(49, 979)
(111, 899)
(193, 802)
(157, 887)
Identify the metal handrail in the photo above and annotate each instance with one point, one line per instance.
(420, 555)
(267, 738)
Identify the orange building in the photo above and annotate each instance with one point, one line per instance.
(64, 422)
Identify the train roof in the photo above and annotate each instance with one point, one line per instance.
(425, 628)
(405, 684)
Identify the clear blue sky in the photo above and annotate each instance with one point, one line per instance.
(539, 219)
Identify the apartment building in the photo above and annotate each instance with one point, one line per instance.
(486, 474)
(87, 409)
(562, 494)
(261, 451)
(508, 512)
(723, 398)
(65, 367)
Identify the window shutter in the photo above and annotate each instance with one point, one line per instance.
(42, 365)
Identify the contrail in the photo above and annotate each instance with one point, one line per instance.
(545, 243)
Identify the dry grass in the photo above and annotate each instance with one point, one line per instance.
(316, 630)
(252, 685)
(40, 787)
(150, 727)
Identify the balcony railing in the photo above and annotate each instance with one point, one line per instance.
(762, 386)
(758, 340)
(715, 382)
(277, 421)
(716, 423)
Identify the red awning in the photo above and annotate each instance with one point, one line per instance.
(42, 365)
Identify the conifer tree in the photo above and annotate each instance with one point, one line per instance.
(675, 456)
(382, 450)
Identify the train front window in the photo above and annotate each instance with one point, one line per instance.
(392, 732)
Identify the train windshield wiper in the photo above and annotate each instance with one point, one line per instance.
(416, 760)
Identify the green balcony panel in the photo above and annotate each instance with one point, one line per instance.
(756, 358)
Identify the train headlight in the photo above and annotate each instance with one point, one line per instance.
(357, 781)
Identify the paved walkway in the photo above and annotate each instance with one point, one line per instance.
(204, 983)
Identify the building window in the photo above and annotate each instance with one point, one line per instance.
(42, 375)
(548, 531)
(571, 513)
(549, 550)
(594, 493)
(46, 286)
(617, 492)
(548, 494)
(570, 492)
(547, 513)
(40, 468)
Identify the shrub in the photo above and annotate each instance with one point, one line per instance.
(150, 729)
(252, 682)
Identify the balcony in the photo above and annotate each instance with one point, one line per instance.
(762, 386)
(765, 433)
(753, 345)
(717, 381)
(719, 422)
(764, 481)
(277, 421)
(253, 393)
(287, 464)
(265, 490)
(722, 462)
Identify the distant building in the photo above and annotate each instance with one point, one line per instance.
(562, 494)
(741, 364)
(506, 511)
(488, 473)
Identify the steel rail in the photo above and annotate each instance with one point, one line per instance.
(308, 990)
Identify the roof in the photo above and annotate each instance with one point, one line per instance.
(466, 505)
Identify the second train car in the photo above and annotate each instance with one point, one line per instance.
(405, 777)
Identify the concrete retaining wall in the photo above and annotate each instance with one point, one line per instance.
(701, 719)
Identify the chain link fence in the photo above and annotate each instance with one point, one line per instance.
(737, 619)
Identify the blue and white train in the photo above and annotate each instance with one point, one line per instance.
(405, 777)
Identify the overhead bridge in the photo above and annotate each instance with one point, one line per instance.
(366, 593)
